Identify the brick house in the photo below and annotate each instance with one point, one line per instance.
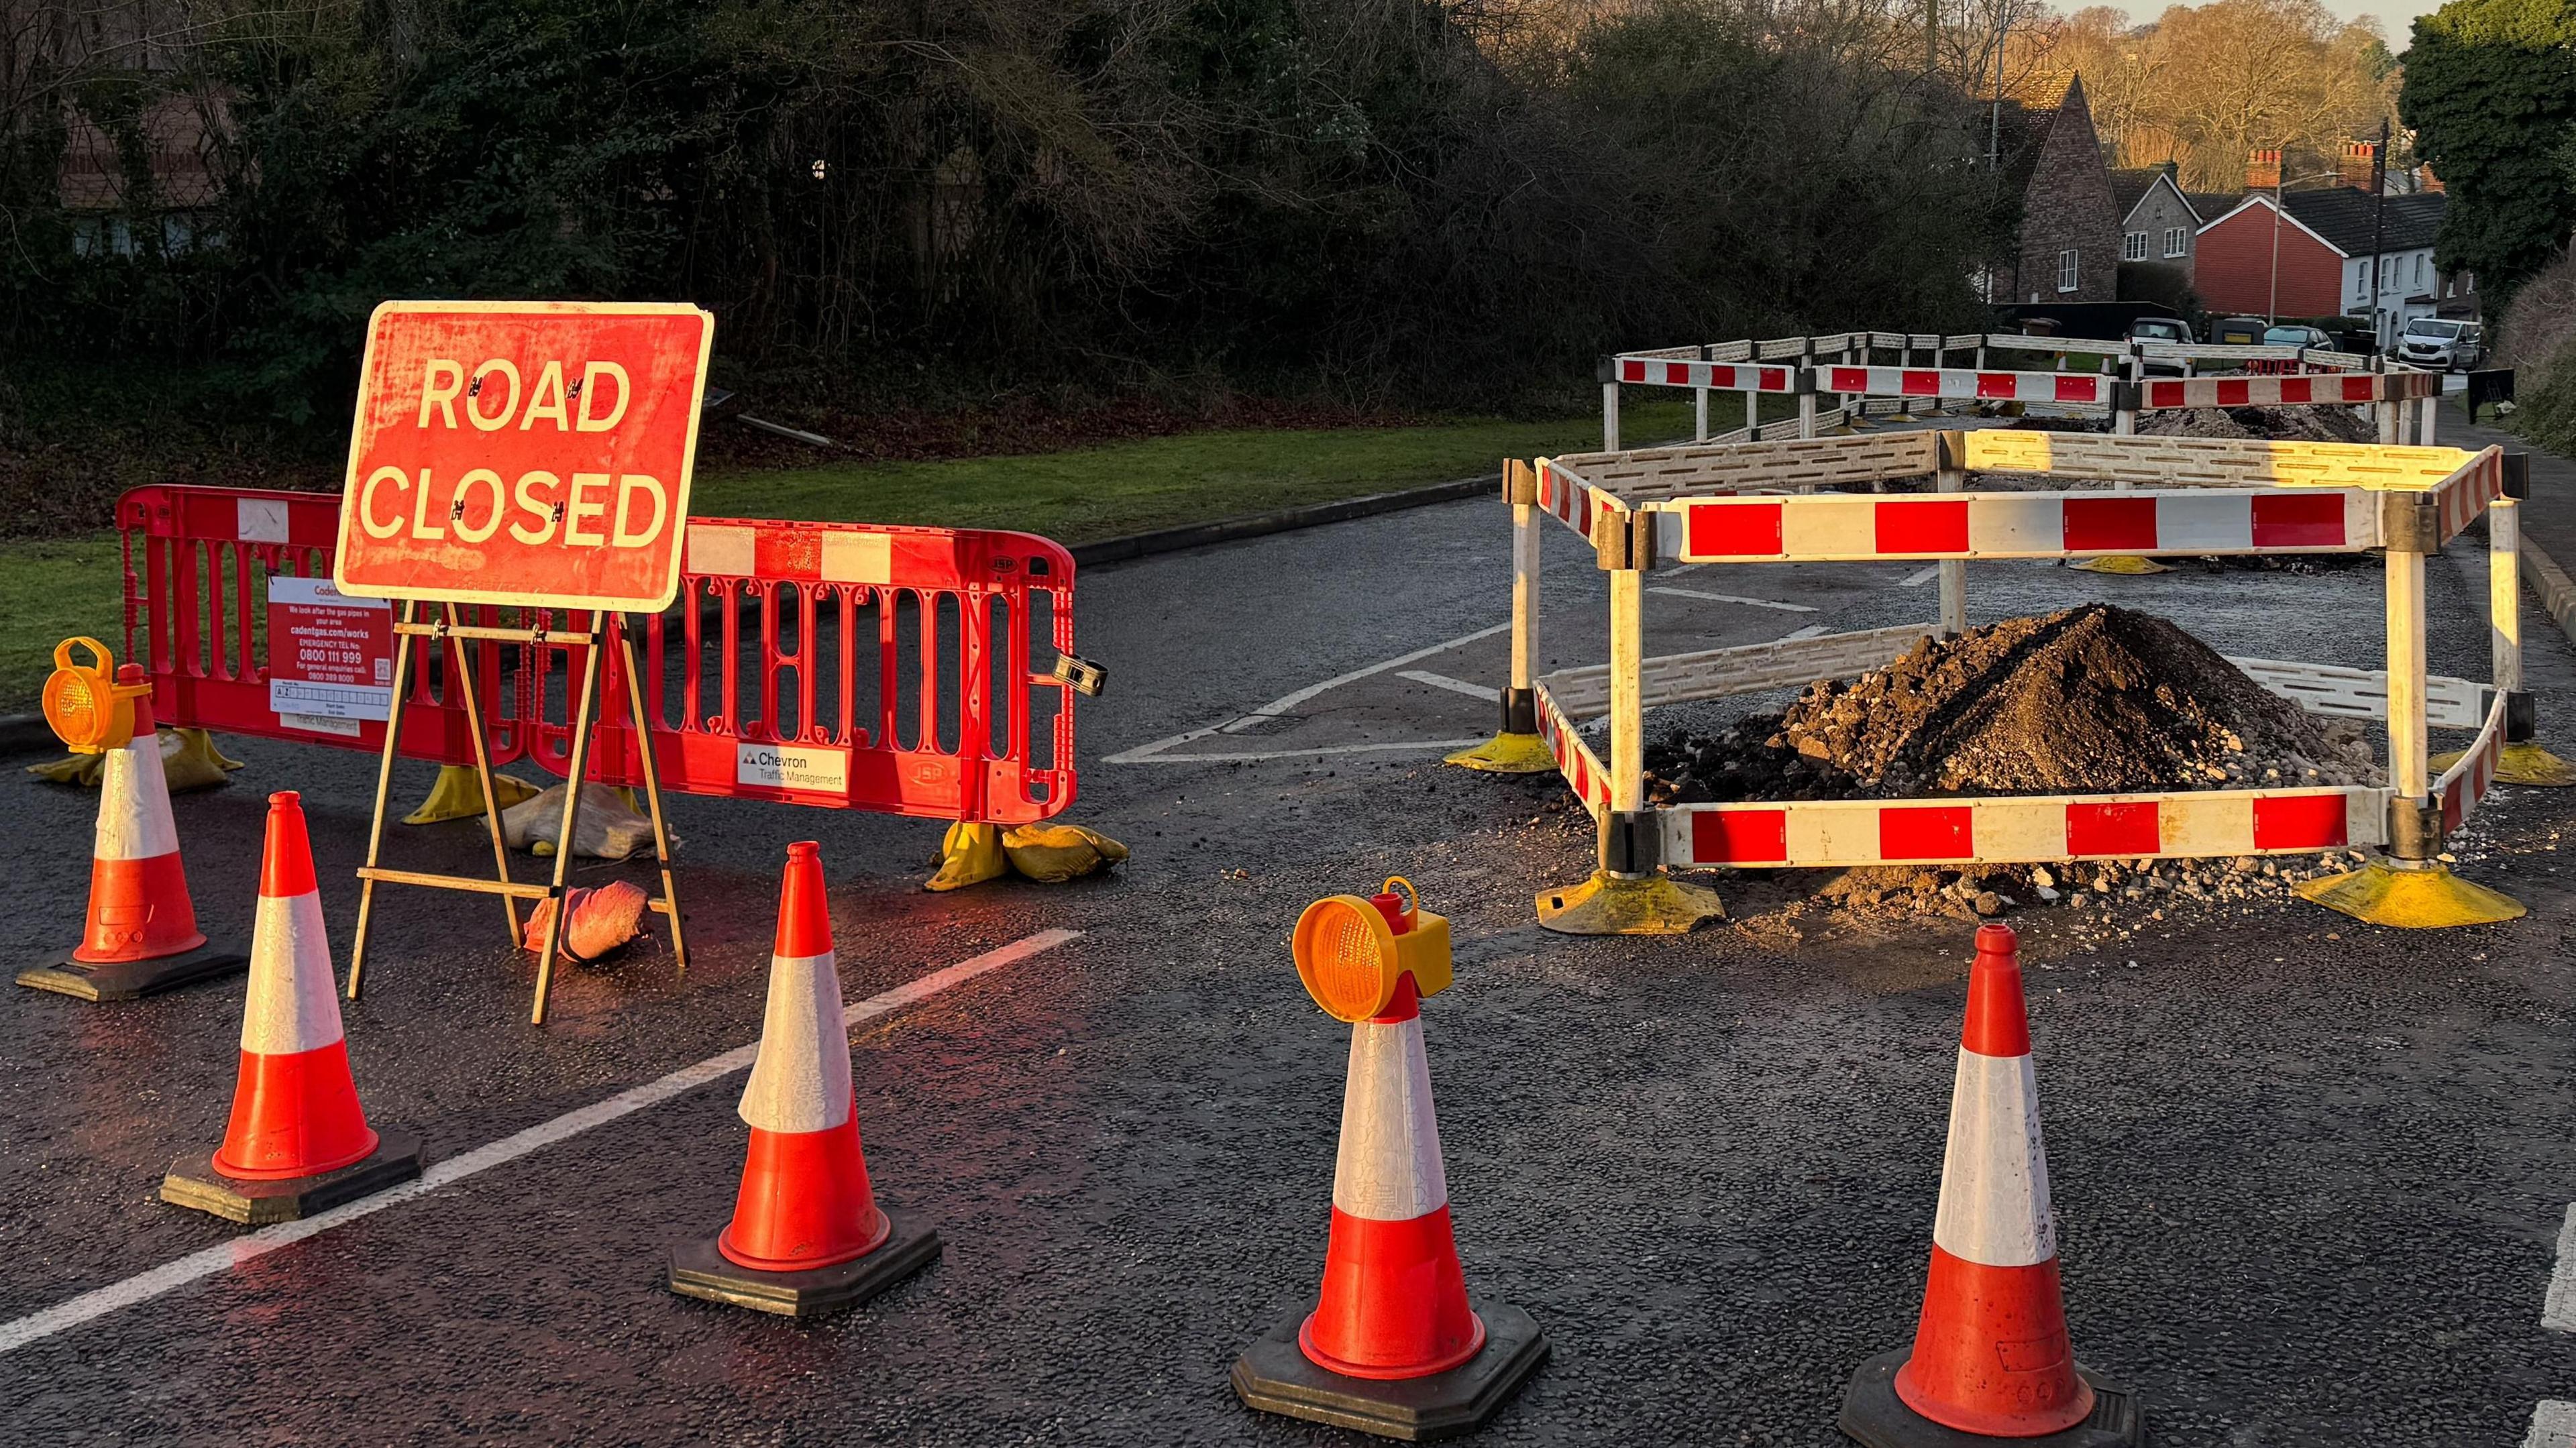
(2324, 254)
(2159, 221)
(2070, 225)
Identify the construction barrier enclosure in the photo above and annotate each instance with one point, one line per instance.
(925, 672)
(2070, 495)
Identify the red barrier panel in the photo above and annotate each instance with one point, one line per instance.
(847, 665)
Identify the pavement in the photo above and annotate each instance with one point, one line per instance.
(2311, 1176)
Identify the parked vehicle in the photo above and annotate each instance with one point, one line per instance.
(2160, 329)
(2441, 344)
(2297, 336)
(2236, 331)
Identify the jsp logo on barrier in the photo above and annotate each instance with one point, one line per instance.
(792, 766)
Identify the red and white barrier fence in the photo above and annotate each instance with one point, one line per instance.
(1753, 503)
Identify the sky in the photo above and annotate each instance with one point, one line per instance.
(2396, 17)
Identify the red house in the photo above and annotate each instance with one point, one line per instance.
(2312, 258)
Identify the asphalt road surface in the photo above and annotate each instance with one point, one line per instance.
(2310, 1175)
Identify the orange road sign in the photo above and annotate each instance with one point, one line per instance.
(533, 453)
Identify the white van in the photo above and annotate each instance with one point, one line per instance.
(2441, 345)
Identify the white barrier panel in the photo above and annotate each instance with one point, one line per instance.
(1717, 376)
(1966, 385)
(1996, 831)
(2347, 387)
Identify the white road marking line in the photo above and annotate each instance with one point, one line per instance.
(1813, 630)
(1254, 758)
(1486, 692)
(2553, 1425)
(1919, 577)
(1144, 753)
(169, 1276)
(2558, 1308)
(1731, 598)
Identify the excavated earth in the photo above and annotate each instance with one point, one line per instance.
(2091, 700)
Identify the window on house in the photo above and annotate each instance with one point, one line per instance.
(2361, 283)
(2419, 268)
(2133, 246)
(2066, 270)
(2177, 240)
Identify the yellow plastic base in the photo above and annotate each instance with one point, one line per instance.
(1610, 904)
(1053, 854)
(2125, 563)
(2525, 764)
(2425, 899)
(969, 855)
(1506, 754)
(189, 760)
(458, 795)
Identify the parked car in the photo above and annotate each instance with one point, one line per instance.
(2236, 331)
(2161, 329)
(2441, 344)
(2297, 336)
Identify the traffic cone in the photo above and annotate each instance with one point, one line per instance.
(1990, 1356)
(807, 1236)
(298, 1142)
(142, 935)
(1393, 1346)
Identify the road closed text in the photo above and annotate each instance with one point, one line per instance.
(524, 453)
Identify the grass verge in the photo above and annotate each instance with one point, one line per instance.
(50, 590)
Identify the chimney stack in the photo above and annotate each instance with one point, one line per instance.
(2353, 167)
(2262, 169)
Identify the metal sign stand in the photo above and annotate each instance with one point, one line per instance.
(585, 707)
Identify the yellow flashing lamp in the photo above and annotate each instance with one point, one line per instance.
(85, 705)
(1352, 951)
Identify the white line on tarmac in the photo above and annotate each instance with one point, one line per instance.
(1254, 757)
(1813, 630)
(2553, 1425)
(2558, 1309)
(1486, 692)
(144, 1286)
(1731, 598)
(1919, 577)
(1144, 753)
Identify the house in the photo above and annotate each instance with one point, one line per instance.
(2312, 258)
(2068, 249)
(2159, 221)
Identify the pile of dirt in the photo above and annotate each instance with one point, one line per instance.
(2092, 700)
(2284, 424)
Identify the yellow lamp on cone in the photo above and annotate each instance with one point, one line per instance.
(87, 708)
(1352, 951)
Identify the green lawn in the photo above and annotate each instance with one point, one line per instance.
(51, 589)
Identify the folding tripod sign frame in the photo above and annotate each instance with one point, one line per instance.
(573, 495)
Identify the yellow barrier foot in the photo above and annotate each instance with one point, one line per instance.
(1610, 904)
(2410, 899)
(1053, 854)
(969, 855)
(1506, 753)
(2125, 563)
(458, 795)
(189, 760)
(2525, 763)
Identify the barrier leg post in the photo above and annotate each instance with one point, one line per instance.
(1516, 747)
(1629, 893)
(1752, 417)
(575, 768)
(1699, 414)
(1807, 394)
(2426, 420)
(1954, 571)
(2411, 888)
(2384, 412)
(2522, 760)
(483, 768)
(1609, 405)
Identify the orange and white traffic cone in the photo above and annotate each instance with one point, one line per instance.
(1393, 1346)
(807, 1235)
(298, 1142)
(142, 935)
(1991, 1357)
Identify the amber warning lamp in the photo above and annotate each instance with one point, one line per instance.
(85, 705)
(1352, 951)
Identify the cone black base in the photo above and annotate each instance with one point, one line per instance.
(194, 1182)
(125, 980)
(1273, 1376)
(699, 1270)
(1873, 1414)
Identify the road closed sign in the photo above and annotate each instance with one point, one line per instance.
(530, 453)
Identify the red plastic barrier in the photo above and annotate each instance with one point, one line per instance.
(847, 665)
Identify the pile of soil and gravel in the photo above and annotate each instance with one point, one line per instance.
(2292, 424)
(2091, 700)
